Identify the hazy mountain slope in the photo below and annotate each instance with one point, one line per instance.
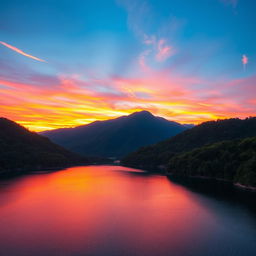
(116, 137)
(159, 154)
(22, 150)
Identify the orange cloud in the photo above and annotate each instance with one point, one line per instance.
(72, 101)
(20, 51)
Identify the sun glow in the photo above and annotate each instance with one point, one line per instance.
(70, 104)
(135, 57)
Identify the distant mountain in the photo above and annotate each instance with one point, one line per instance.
(22, 150)
(116, 137)
(158, 155)
(233, 160)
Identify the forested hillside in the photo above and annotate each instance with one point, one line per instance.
(158, 155)
(22, 150)
(233, 160)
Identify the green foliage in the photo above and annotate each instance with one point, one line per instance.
(233, 160)
(153, 156)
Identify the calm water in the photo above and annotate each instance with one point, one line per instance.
(111, 210)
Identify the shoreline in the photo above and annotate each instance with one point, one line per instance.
(162, 171)
(236, 185)
(247, 188)
(11, 173)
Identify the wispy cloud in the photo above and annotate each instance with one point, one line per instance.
(20, 51)
(176, 87)
(72, 100)
(164, 50)
(244, 60)
(159, 49)
(149, 40)
(142, 60)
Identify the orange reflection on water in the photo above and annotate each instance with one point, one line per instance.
(99, 210)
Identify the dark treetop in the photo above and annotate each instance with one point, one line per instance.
(233, 160)
(153, 156)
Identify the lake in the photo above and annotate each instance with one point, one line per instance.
(113, 210)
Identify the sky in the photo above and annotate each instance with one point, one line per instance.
(70, 62)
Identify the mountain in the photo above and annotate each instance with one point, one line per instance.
(233, 161)
(116, 137)
(158, 155)
(22, 150)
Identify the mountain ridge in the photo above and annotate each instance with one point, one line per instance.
(22, 150)
(159, 154)
(115, 137)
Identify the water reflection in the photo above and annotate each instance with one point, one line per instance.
(221, 191)
(111, 210)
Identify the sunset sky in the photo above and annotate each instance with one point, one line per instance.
(70, 62)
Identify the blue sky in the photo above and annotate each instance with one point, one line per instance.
(196, 45)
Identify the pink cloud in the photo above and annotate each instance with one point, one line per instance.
(75, 100)
(142, 60)
(244, 60)
(158, 50)
(20, 51)
(164, 51)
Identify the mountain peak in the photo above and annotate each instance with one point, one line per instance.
(116, 137)
(143, 113)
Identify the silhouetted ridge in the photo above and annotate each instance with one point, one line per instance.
(22, 150)
(9, 126)
(116, 137)
(158, 155)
